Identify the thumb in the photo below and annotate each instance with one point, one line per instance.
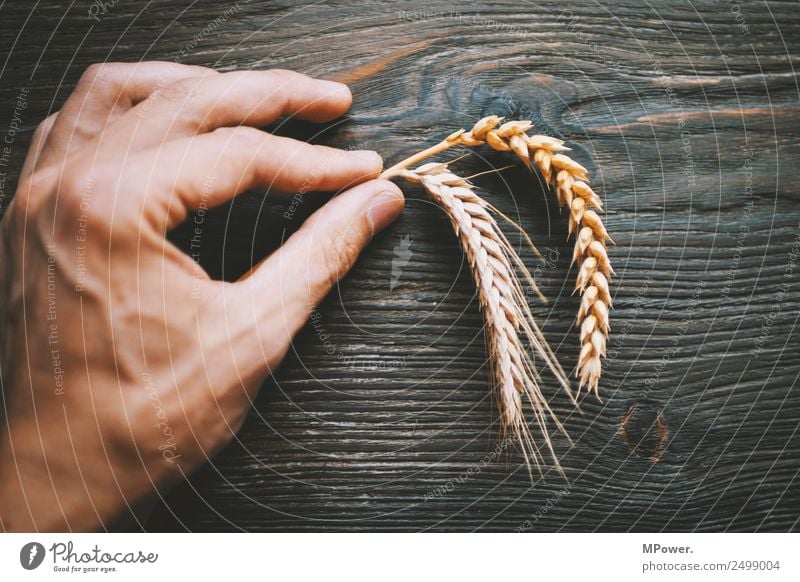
(280, 293)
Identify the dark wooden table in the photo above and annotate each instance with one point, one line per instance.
(687, 115)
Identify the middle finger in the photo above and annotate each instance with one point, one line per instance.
(199, 105)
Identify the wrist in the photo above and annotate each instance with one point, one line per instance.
(47, 491)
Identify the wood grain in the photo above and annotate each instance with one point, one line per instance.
(380, 418)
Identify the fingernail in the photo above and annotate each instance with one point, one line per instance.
(335, 88)
(384, 208)
(372, 158)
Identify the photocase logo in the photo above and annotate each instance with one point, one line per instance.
(402, 256)
(31, 555)
(100, 8)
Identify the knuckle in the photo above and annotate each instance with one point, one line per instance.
(44, 127)
(84, 196)
(323, 174)
(314, 181)
(29, 194)
(285, 83)
(25, 193)
(19, 211)
(181, 90)
(246, 137)
(287, 76)
(100, 76)
(340, 254)
(91, 73)
(234, 77)
(77, 182)
(201, 70)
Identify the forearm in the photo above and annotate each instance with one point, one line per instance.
(43, 487)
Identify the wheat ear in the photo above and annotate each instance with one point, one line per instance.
(570, 180)
(495, 266)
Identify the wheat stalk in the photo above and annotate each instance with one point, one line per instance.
(570, 180)
(494, 265)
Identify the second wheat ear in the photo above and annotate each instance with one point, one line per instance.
(496, 268)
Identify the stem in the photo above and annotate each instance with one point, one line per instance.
(416, 158)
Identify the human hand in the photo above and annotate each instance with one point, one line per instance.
(124, 366)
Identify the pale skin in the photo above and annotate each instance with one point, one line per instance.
(124, 366)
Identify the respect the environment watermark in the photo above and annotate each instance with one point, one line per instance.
(53, 341)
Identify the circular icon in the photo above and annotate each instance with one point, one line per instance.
(31, 555)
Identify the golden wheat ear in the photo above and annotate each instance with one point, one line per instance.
(509, 323)
(571, 183)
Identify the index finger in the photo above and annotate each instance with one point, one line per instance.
(211, 168)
